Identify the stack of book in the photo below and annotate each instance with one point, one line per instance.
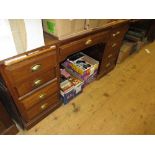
(83, 66)
(70, 86)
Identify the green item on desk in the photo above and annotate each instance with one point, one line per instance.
(51, 26)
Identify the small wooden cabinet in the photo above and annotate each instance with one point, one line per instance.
(7, 126)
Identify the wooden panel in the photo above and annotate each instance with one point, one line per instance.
(6, 124)
(2, 127)
(108, 62)
(4, 117)
(12, 130)
(81, 44)
(22, 70)
(107, 65)
(112, 49)
(29, 84)
(42, 106)
(40, 95)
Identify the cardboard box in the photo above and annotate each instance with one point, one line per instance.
(86, 79)
(67, 95)
(75, 81)
(88, 74)
(70, 87)
(125, 50)
(67, 91)
(87, 66)
(64, 28)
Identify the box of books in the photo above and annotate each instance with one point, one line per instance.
(82, 65)
(67, 91)
(70, 86)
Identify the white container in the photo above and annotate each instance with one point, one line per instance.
(20, 35)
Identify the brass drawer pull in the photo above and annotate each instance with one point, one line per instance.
(107, 65)
(37, 82)
(114, 44)
(118, 32)
(110, 55)
(88, 42)
(35, 67)
(44, 106)
(115, 34)
(42, 96)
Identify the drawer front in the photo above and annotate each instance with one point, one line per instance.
(20, 71)
(39, 96)
(112, 49)
(35, 82)
(108, 63)
(81, 44)
(42, 106)
(110, 55)
(118, 33)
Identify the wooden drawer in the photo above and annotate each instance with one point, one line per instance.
(40, 95)
(35, 81)
(108, 63)
(20, 71)
(118, 33)
(42, 106)
(81, 44)
(112, 49)
(110, 55)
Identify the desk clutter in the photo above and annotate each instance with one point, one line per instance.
(76, 72)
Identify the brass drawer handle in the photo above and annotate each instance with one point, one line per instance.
(44, 106)
(42, 96)
(35, 67)
(88, 42)
(114, 44)
(107, 65)
(118, 32)
(115, 34)
(110, 55)
(37, 82)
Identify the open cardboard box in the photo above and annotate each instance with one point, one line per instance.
(75, 86)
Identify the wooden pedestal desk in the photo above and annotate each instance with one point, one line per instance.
(32, 78)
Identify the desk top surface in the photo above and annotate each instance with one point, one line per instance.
(50, 40)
